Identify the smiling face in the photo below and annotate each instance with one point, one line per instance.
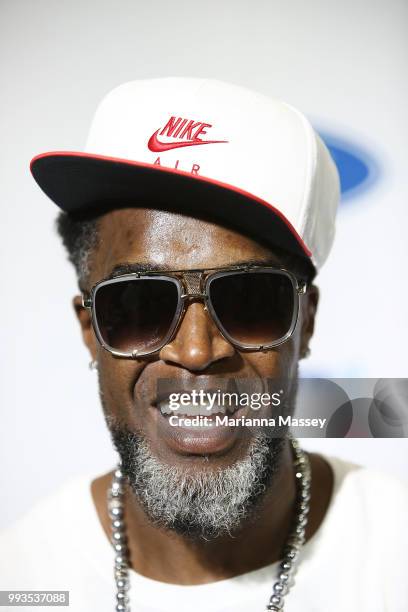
(198, 356)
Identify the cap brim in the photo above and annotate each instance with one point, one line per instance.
(78, 182)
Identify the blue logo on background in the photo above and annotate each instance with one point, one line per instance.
(357, 169)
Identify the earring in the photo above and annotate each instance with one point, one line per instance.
(93, 365)
(305, 353)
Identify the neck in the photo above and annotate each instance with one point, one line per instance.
(169, 557)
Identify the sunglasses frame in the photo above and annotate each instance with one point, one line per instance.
(194, 284)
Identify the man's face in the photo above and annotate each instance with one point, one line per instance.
(198, 356)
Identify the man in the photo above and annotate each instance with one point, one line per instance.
(197, 219)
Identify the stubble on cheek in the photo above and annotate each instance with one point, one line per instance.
(117, 383)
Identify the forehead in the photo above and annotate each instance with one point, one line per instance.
(171, 240)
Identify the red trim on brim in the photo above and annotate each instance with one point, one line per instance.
(52, 155)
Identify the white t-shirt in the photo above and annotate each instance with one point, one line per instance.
(357, 561)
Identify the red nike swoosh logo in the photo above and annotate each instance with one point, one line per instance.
(154, 143)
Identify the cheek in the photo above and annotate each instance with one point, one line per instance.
(279, 363)
(116, 382)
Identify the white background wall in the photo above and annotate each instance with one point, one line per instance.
(342, 63)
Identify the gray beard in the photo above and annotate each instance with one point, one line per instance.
(198, 502)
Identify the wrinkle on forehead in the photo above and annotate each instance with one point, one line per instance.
(172, 240)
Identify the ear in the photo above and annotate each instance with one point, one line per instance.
(309, 304)
(85, 321)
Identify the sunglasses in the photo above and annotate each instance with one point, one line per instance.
(254, 307)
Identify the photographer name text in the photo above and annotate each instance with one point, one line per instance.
(244, 421)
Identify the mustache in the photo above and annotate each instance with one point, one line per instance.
(158, 381)
(205, 387)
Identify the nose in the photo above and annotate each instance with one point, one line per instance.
(198, 342)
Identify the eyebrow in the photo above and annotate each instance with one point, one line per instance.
(134, 267)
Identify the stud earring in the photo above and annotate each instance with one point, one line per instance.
(93, 365)
(305, 353)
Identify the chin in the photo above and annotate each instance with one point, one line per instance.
(199, 496)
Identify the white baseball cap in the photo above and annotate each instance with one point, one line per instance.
(204, 147)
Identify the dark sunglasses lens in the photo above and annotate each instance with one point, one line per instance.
(254, 308)
(136, 314)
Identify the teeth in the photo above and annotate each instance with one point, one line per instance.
(192, 410)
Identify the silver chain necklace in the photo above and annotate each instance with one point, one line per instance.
(287, 566)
